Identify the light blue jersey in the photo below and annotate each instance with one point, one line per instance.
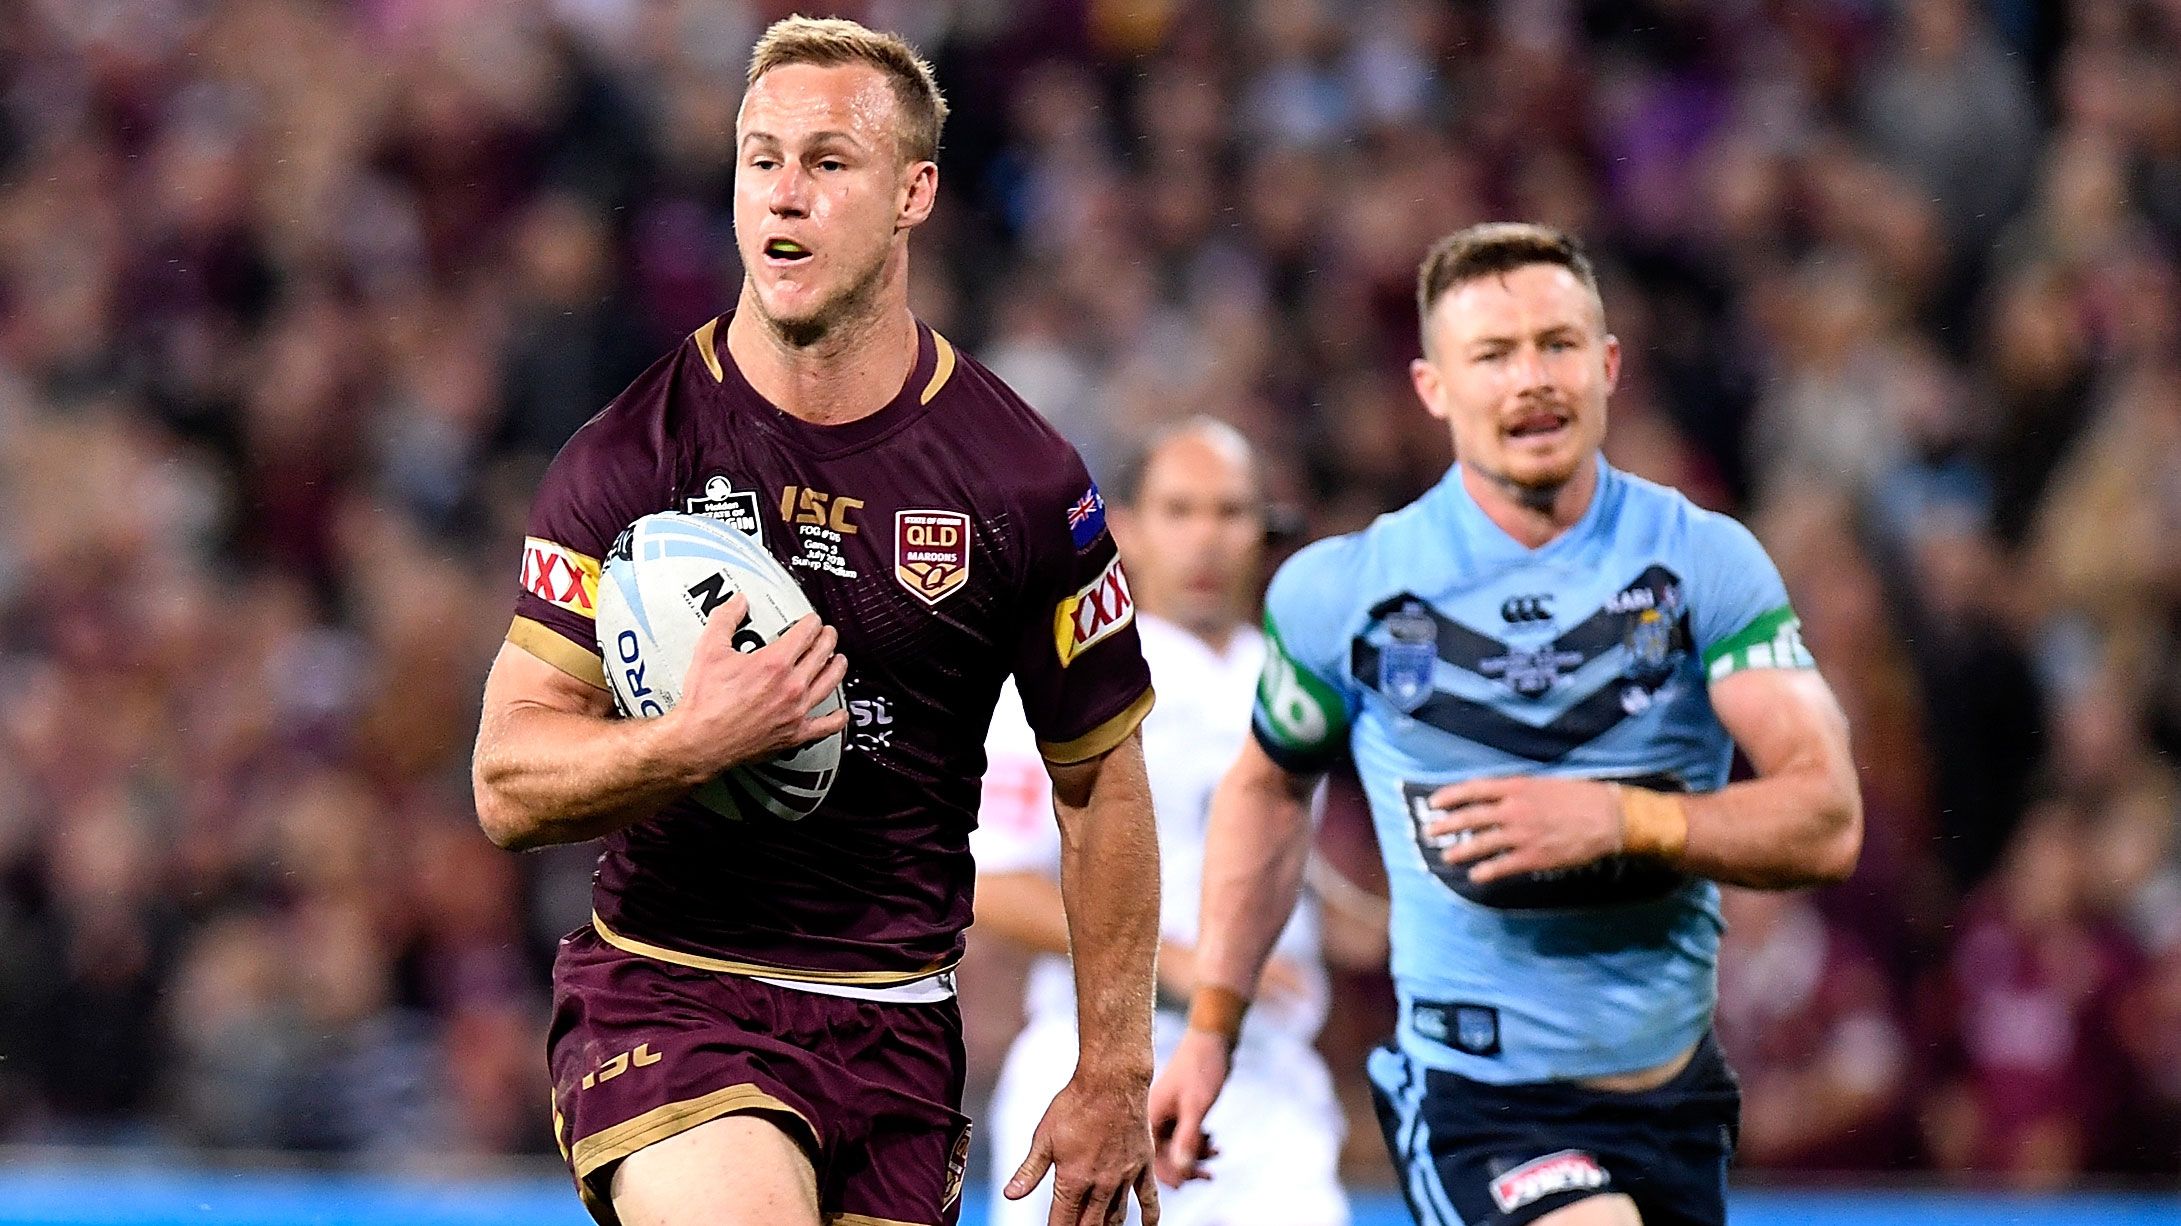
(1437, 648)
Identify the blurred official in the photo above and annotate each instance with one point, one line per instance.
(1189, 516)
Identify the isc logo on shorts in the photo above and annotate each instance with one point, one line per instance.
(1101, 609)
(1566, 1171)
(559, 575)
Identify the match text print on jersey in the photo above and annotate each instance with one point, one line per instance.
(641, 1056)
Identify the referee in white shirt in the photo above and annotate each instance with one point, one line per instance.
(1189, 516)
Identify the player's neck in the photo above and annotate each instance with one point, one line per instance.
(853, 371)
(1532, 516)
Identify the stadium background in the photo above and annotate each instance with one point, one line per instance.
(297, 297)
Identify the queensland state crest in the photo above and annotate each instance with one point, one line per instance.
(931, 553)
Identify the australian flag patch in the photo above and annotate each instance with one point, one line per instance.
(1087, 518)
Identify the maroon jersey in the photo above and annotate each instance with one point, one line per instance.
(952, 538)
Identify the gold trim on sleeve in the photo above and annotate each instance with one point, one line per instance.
(708, 349)
(941, 368)
(659, 1123)
(864, 1219)
(558, 650)
(729, 967)
(1101, 739)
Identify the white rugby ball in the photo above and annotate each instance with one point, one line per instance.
(661, 582)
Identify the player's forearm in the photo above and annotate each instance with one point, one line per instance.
(1109, 884)
(1799, 827)
(543, 776)
(1256, 848)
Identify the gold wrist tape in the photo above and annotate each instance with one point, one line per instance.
(1652, 823)
(1217, 1010)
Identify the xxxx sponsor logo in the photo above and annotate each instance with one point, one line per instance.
(1093, 614)
(931, 553)
(559, 575)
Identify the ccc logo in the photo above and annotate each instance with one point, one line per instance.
(1526, 608)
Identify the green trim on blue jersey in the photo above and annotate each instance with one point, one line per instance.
(1297, 711)
(1773, 640)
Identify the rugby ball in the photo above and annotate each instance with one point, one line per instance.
(663, 579)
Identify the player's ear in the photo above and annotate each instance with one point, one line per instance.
(1425, 378)
(1612, 362)
(919, 192)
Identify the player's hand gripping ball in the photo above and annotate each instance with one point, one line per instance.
(662, 581)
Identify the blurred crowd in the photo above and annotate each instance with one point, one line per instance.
(298, 296)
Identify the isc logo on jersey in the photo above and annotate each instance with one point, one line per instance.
(1093, 614)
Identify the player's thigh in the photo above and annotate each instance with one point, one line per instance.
(738, 1170)
(1612, 1210)
(1485, 1155)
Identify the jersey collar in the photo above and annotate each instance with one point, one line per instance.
(935, 362)
(1488, 540)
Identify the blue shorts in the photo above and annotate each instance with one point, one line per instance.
(1474, 1154)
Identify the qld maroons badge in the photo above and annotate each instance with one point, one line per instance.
(931, 553)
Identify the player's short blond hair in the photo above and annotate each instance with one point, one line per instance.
(1493, 248)
(829, 42)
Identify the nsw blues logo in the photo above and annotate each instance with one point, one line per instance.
(1087, 518)
(1476, 1028)
(1653, 638)
(1409, 658)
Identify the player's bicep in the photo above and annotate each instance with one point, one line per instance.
(1259, 773)
(520, 678)
(1785, 719)
(1075, 784)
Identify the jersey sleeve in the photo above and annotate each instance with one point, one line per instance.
(1078, 663)
(608, 475)
(1739, 614)
(1304, 702)
(1016, 831)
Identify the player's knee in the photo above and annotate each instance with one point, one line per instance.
(1612, 1209)
(738, 1170)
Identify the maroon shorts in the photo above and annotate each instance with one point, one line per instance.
(642, 1049)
